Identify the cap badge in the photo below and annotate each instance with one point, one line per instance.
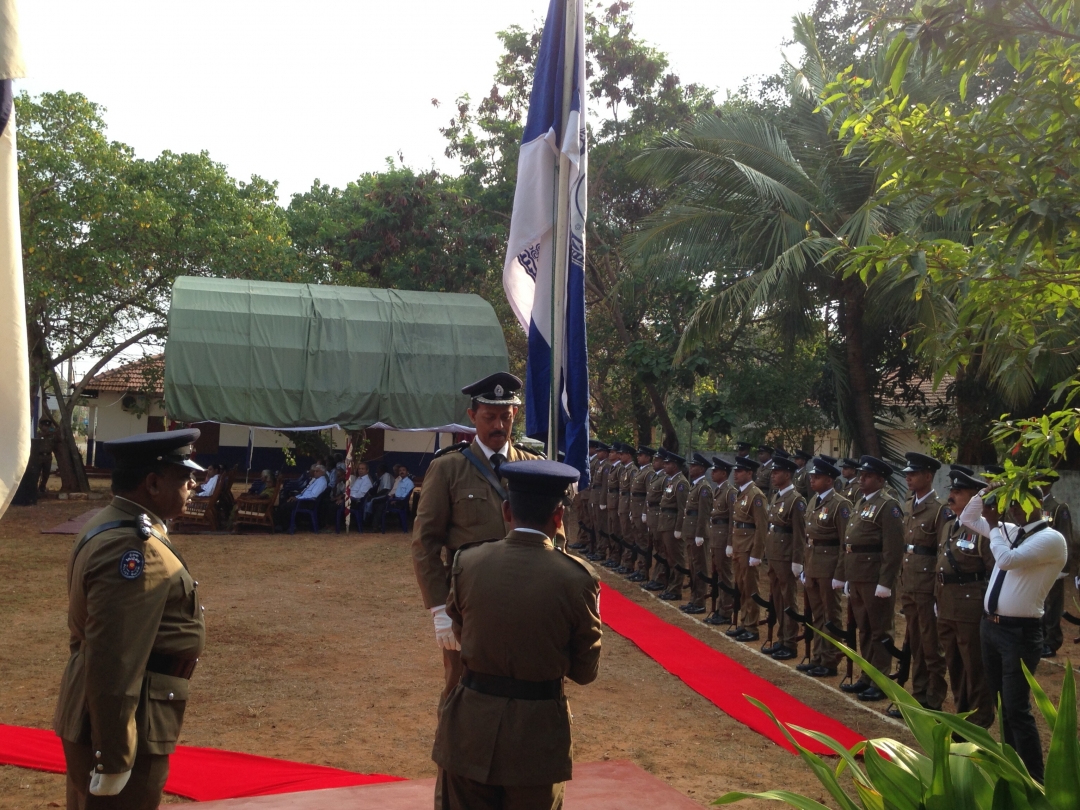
(499, 390)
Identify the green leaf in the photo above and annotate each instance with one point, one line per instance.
(1063, 759)
(794, 799)
(904, 789)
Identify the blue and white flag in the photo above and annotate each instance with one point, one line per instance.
(530, 252)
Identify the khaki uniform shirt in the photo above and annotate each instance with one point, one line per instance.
(639, 490)
(785, 538)
(599, 496)
(626, 481)
(457, 507)
(1058, 516)
(699, 504)
(720, 517)
(921, 527)
(673, 503)
(763, 477)
(522, 609)
(654, 493)
(826, 522)
(962, 554)
(748, 508)
(876, 521)
(611, 494)
(801, 480)
(128, 597)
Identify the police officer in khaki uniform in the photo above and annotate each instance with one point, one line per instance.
(719, 538)
(581, 504)
(870, 565)
(749, 523)
(763, 474)
(461, 502)
(784, 550)
(136, 631)
(611, 506)
(925, 515)
(639, 491)
(526, 617)
(654, 493)
(801, 479)
(629, 529)
(964, 562)
(1059, 517)
(849, 479)
(670, 524)
(827, 515)
(598, 502)
(699, 504)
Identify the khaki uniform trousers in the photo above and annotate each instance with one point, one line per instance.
(721, 568)
(927, 666)
(142, 792)
(825, 606)
(782, 594)
(629, 536)
(661, 572)
(699, 590)
(962, 645)
(675, 550)
(874, 619)
(746, 580)
(644, 540)
(462, 793)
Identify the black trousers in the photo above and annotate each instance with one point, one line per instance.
(1003, 650)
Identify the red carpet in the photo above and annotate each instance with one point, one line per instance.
(202, 774)
(717, 678)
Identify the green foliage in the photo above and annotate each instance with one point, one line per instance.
(978, 773)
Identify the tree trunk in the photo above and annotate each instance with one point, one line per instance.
(973, 445)
(69, 461)
(862, 394)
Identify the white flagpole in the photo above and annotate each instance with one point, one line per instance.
(562, 238)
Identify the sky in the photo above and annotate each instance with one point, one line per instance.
(294, 91)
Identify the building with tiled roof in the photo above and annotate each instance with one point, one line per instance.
(145, 376)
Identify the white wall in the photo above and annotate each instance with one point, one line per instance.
(113, 422)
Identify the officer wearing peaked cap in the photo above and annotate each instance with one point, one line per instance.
(656, 575)
(639, 493)
(802, 471)
(749, 523)
(964, 562)
(136, 630)
(719, 538)
(849, 479)
(699, 503)
(461, 502)
(763, 474)
(672, 513)
(581, 504)
(597, 498)
(629, 526)
(925, 515)
(527, 616)
(784, 549)
(870, 565)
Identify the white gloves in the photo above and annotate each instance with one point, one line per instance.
(678, 535)
(1062, 575)
(644, 517)
(603, 506)
(935, 610)
(796, 568)
(754, 562)
(444, 629)
(699, 541)
(881, 592)
(108, 784)
(802, 578)
(837, 585)
(1078, 583)
(730, 552)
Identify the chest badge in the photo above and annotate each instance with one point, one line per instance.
(132, 564)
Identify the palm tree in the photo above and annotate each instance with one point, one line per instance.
(773, 209)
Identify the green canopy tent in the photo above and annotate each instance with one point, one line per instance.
(277, 355)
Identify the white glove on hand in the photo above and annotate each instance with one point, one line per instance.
(699, 541)
(754, 562)
(796, 568)
(108, 784)
(802, 578)
(644, 517)
(881, 592)
(678, 535)
(935, 610)
(837, 585)
(444, 629)
(603, 506)
(729, 551)
(1062, 575)
(1078, 583)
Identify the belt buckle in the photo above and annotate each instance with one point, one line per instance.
(847, 548)
(911, 549)
(941, 578)
(995, 618)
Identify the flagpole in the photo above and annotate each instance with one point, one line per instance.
(562, 237)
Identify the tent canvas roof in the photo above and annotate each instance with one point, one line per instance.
(278, 355)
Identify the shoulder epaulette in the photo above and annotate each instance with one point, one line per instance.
(454, 448)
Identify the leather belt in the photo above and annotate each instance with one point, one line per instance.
(515, 688)
(1012, 621)
(824, 542)
(637, 494)
(776, 529)
(961, 579)
(668, 509)
(171, 665)
(863, 548)
(718, 521)
(612, 489)
(925, 551)
(741, 525)
(691, 512)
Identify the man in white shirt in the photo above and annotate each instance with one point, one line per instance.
(207, 489)
(1028, 556)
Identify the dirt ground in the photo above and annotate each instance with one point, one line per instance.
(319, 650)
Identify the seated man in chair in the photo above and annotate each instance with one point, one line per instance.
(306, 499)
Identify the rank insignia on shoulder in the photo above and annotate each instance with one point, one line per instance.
(948, 513)
(454, 448)
(896, 513)
(131, 564)
(845, 513)
(145, 527)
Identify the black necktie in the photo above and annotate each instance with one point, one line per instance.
(497, 460)
(999, 580)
